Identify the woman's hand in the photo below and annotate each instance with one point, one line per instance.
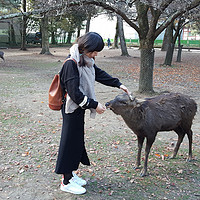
(100, 109)
(123, 87)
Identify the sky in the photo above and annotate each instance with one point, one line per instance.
(106, 28)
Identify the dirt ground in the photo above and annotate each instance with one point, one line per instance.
(30, 131)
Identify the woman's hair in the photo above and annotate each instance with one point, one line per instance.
(89, 42)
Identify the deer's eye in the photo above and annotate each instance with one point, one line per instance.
(123, 102)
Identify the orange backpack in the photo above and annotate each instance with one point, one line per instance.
(56, 92)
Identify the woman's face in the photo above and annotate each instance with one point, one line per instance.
(92, 54)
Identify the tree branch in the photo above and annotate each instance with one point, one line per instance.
(165, 4)
(114, 9)
(194, 4)
(34, 12)
(75, 3)
(154, 20)
(142, 10)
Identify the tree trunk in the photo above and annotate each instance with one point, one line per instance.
(116, 37)
(180, 47)
(12, 35)
(88, 24)
(121, 36)
(53, 39)
(23, 36)
(24, 22)
(169, 54)
(64, 37)
(178, 59)
(167, 39)
(146, 70)
(45, 36)
(147, 37)
(78, 32)
(171, 44)
(69, 37)
(172, 38)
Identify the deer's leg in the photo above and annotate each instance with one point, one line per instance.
(140, 144)
(189, 134)
(150, 141)
(181, 134)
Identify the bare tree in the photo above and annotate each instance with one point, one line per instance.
(45, 35)
(166, 39)
(24, 23)
(145, 16)
(116, 37)
(122, 6)
(173, 32)
(121, 36)
(91, 11)
(149, 23)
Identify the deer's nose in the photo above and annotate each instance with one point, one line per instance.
(107, 104)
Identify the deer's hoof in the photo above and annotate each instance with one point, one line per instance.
(143, 174)
(136, 167)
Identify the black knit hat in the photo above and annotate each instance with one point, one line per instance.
(90, 42)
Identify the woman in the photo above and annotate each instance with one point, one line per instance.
(78, 76)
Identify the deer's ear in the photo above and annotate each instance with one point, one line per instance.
(140, 100)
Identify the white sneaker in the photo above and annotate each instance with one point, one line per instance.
(72, 187)
(78, 180)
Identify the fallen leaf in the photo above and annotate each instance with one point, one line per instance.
(117, 142)
(116, 170)
(132, 181)
(157, 155)
(93, 163)
(21, 171)
(25, 154)
(180, 171)
(111, 192)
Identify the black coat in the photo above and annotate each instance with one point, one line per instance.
(72, 147)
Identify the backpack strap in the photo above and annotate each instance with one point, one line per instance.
(65, 93)
(69, 59)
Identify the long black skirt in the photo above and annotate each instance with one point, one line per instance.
(72, 146)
